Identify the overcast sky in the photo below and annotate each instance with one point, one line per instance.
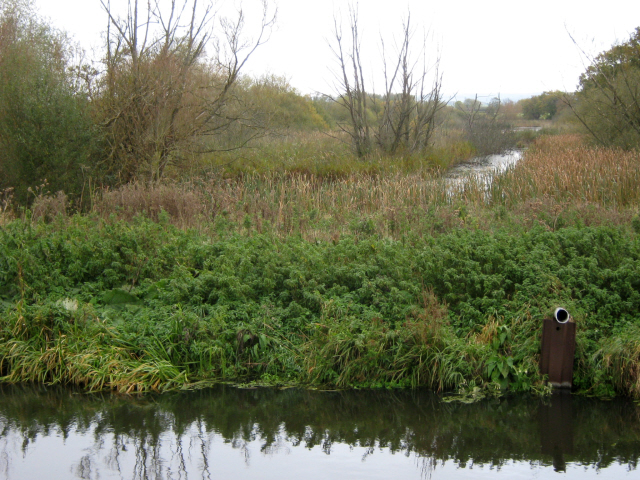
(486, 47)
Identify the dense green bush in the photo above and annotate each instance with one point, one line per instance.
(142, 305)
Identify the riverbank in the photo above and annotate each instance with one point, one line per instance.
(447, 292)
(143, 306)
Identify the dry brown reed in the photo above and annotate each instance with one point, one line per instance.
(305, 204)
(6, 204)
(48, 207)
(559, 177)
(563, 168)
(185, 204)
(488, 333)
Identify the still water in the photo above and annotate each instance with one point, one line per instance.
(231, 433)
(481, 170)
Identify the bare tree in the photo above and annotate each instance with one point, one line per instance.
(409, 116)
(403, 118)
(484, 127)
(352, 94)
(168, 87)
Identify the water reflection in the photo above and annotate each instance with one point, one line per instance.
(486, 166)
(480, 171)
(267, 433)
(556, 428)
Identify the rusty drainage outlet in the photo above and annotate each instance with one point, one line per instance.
(558, 348)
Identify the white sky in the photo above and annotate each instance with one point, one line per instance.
(487, 47)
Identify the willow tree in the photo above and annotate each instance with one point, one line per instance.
(46, 133)
(167, 93)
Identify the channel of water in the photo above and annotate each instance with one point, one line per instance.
(267, 433)
(481, 169)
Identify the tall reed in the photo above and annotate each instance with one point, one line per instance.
(557, 178)
(565, 169)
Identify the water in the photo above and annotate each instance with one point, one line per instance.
(482, 169)
(230, 433)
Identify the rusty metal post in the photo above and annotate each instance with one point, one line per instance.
(558, 348)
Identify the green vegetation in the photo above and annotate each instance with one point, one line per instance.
(340, 283)
(607, 103)
(179, 106)
(544, 106)
(46, 133)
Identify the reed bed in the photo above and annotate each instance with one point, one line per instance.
(308, 205)
(329, 155)
(559, 180)
(567, 170)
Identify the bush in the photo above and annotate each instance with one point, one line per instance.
(46, 133)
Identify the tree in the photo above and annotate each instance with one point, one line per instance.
(279, 106)
(607, 103)
(352, 94)
(403, 118)
(168, 92)
(409, 117)
(46, 132)
(543, 106)
(483, 126)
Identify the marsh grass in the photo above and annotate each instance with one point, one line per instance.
(558, 182)
(6, 206)
(328, 155)
(619, 359)
(565, 169)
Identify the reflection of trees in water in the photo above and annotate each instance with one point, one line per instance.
(171, 455)
(170, 435)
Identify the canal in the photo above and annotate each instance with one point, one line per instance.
(267, 433)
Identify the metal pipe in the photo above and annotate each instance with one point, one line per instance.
(561, 315)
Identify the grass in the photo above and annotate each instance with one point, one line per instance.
(377, 280)
(563, 168)
(328, 155)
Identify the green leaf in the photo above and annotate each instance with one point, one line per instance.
(119, 297)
